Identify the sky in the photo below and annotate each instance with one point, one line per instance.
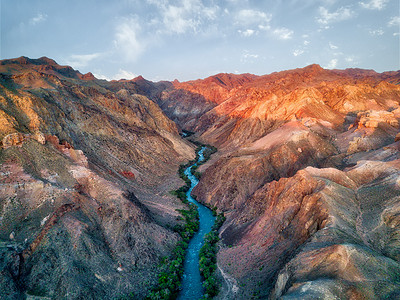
(191, 39)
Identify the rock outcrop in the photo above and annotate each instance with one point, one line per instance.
(85, 209)
(300, 222)
(307, 174)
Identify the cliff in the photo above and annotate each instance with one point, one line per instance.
(306, 173)
(85, 209)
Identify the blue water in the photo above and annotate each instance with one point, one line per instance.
(191, 282)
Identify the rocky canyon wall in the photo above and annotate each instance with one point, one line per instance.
(85, 174)
(307, 173)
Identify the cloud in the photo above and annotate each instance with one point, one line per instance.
(39, 18)
(332, 63)
(351, 59)
(124, 74)
(255, 21)
(327, 17)
(394, 21)
(298, 52)
(248, 57)
(283, 33)
(184, 16)
(332, 46)
(264, 27)
(251, 16)
(101, 76)
(179, 19)
(374, 4)
(247, 32)
(306, 43)
(81, 60)
(127, 39)
(376, 32)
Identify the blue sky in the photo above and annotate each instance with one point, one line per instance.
(190, 39)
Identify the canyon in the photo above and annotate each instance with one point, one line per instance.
(307, 174)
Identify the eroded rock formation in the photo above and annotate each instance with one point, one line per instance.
(307, 175)
(76, 156)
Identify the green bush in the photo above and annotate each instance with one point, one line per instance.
(208, 258)
(172, 268)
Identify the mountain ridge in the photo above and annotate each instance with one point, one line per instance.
(75, 158)
(306, 173)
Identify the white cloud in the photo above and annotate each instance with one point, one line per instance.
(332, 63)
(179, 20)
(264, 27)
(250, 16)
(255, 21)
(124, 74)
(39, 18)
(374, 4)
(332, 46)
(351, 59)
(376, 32)
(127, 39)
(306, 43)
(283, 33)
(247, 56)
(394, 21)
(298, 52)
(101, 76)
(247, 32)
(185, 15)
(81, 60)
(327, 17)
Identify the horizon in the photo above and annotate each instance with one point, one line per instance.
(202, 78)
(193, 39)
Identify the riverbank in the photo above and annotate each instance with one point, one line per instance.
(179, 275)
(192, 283)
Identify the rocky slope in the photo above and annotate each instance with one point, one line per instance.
(307, 173)
(85, 170)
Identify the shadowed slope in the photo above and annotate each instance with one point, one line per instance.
(85, 173)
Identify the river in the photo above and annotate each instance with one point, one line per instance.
(191, 287)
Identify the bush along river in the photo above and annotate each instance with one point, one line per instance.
(193, 260)
(191, 287)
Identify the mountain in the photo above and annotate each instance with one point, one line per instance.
(307, 175)
(83, 170)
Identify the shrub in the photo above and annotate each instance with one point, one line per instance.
(172, 268)
(208, 258)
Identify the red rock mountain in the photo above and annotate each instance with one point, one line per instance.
(307, 173)
(83, 170)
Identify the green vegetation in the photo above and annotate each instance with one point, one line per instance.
(37, 291)
(208, 151)
(194, 172)
(172, 268)
(170, 276)
(208, 258)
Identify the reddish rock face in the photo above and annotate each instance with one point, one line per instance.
(83, 171)
(307, 174)
(289, 226)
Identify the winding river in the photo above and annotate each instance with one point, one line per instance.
(191, 287)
